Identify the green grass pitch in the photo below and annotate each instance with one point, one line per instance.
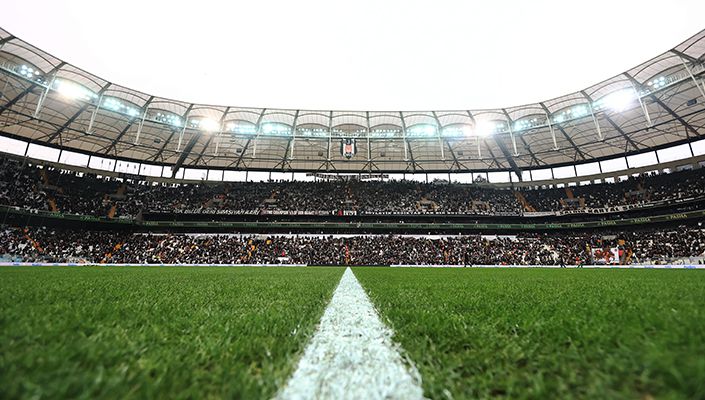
(195, 332)
(131, 332)
(547, 334)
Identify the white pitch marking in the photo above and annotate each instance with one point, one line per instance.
(352, 355)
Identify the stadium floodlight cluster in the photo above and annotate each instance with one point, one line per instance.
(205, 124)
(116, 105)
(74, 91)
(29, 72)
(312, 132)
(486, 128)
(526, 124)
(597, 123)
(168, 119)
(616, 101)
(242, 128)
(657, 83)
(275, 129)
(422, 130)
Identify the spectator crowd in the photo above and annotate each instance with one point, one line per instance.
(44, 244)
(48, 188)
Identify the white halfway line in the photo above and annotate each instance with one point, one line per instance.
(352, 355)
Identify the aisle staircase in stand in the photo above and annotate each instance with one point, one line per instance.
(524, 203)
(109, 255)
(51, 201)
(35, 244)
(52, 204)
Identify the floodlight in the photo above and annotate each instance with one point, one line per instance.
(174, 120)
(620, 100)
(73, 90)
(484, 128)
(579, 111)
(208, 125)
(112, 104)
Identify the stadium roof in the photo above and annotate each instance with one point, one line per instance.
(656, 104)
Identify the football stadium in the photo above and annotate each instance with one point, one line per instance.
(153, 247)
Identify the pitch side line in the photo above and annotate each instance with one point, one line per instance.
(351, 355)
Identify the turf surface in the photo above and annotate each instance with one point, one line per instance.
(539, 333)
(130, 332)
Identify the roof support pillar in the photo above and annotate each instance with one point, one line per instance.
(563, 132)
(592, 114)
(644, 110)
(75, 116)
(173, 132)
(690, 73)
(508, 156)
(594, 120)
(192, 143)
(293, 135)
(184, 154)
(181, 134)
(510, 122)
(369, 149)
(474, 128)
(215, 137)
(403, 133)
(330, 134)
(247, 144)
(218, 135)
(43, 96)
(439, 130)
(144, 116)
(89, 130)
(616, 127)
(635, 86)
(553, 132)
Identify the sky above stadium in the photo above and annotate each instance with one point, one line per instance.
(355, 55)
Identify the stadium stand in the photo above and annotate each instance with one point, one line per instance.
(97, 172)
(652, 246)
(31, 187)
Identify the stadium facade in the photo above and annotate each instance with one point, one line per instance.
(59, 112)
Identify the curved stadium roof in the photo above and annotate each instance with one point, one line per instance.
(656, 104)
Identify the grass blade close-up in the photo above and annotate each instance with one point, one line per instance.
(97, 332)
(538, 333)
